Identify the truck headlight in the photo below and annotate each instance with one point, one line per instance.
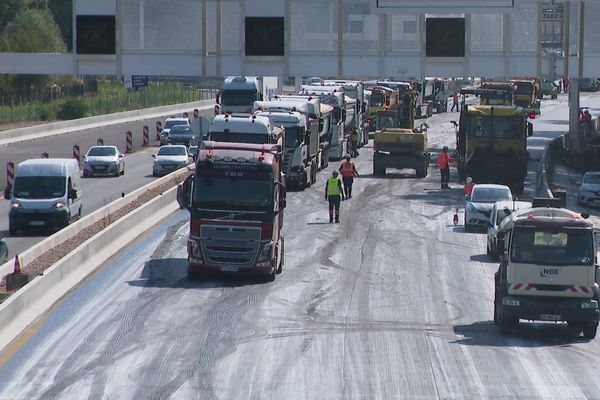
(265, 253)
(589, 305)
(15, 205)
(60, 204)
(509, 301)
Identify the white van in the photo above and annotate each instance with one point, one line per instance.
(46, 194)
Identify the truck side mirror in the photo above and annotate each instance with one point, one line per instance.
(73, 194)
(184, 193)
(529, 129)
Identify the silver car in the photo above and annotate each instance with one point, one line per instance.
(478, 207)
(500, 210)
(589, 190)
(169, 124)
(103, 160)
(170, 158)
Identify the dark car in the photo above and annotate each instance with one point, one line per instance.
(181, 134)
(3, 251)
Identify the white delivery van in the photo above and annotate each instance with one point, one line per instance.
(46, 194)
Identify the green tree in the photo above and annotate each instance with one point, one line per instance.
(8, 11)
(63, 15)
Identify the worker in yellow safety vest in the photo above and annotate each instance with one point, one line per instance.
(355, 141)
(334, 192)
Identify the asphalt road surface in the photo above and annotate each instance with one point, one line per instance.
(395, 302)
(97, 191)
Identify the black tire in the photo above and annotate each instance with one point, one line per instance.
(123, 172)
(282, 261)
(506, 325)
(496, 306)
(554, 96)
(272, 276)
(117, 173)
(487, 250)
(589, 331)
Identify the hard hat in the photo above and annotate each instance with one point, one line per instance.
(348, 157)
(335, 172)
(469, 179)
(445, 148)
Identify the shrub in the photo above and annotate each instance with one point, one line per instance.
(44, 112)
(73, 109)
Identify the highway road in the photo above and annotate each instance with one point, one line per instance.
(395, 302)
(98, 191)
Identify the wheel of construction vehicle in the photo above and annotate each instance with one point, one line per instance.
(282, 257)
(589, 331)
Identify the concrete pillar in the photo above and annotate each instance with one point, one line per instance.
(573, 135)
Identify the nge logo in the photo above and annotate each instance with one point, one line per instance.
(547, 271)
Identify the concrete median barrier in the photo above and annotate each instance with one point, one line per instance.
(30, 302)
(77, 125)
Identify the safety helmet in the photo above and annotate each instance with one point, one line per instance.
(445, 149)
(469, 179)
(347, 157)
(335, 172)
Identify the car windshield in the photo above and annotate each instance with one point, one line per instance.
(497, 127)
(376, 99)
(238, 97)
(102, 151)
(232, 192)
(171, 151)
(171, 123)
(233, 137)
(490, 195)
(182, 130)
(39, 187)
(552, 248)
(293, 136)
(593, 179)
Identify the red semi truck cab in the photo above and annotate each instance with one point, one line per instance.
(236, 199)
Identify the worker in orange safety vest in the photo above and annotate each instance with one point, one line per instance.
(348, 171)
(443, 162)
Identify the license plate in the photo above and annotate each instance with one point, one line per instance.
(36, 223)
(229, 268)
(550, 317)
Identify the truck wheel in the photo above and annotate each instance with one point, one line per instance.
(272, 276)
(282, 260)
(506, 324)
(589, 331)
(554, 96)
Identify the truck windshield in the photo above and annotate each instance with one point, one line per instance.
(524, 88)
(552, 248)
(293, 136)
(39, 187)
(238, 97)
(376, 99)
(234, 137)
(233, 193)
(497, 127)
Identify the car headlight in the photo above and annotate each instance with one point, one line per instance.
(509, 301)
(15, 205)
(60, 204)
(265, 253)
(589, 305)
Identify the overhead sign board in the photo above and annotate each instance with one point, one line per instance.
(437, 6)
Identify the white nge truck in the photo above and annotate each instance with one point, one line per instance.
(238, 94)
(548, 270)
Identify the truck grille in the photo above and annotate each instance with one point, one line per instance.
(230, 245)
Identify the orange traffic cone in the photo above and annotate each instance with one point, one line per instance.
(455, 218)
(17, 269)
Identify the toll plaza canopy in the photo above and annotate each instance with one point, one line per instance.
(349, 38)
